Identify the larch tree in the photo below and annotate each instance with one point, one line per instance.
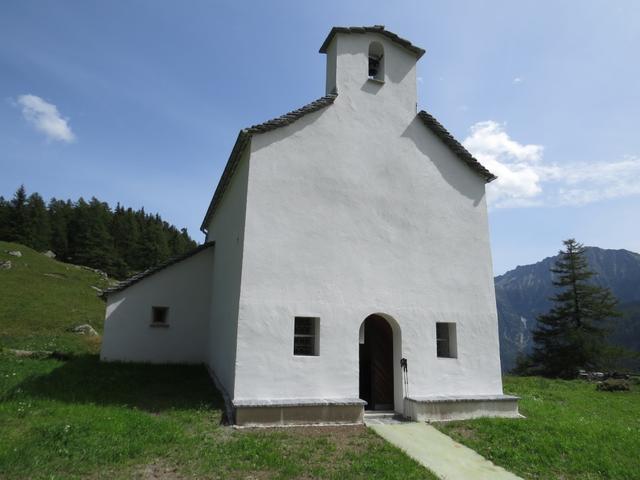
(572, 335)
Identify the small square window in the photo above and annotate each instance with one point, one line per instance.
(306, 336)
(160, 316)
(446, 340)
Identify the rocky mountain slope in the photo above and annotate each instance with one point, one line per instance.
(523, 293)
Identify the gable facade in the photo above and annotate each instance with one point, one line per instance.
(357, 207)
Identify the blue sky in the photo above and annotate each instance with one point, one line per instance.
(140, 102)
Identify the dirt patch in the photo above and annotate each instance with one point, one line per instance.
(463, 432)
(159, 470)
(340, 431)
(257, 475)
(339, 439)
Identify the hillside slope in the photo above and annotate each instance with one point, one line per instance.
(523, 293)
(40, 298)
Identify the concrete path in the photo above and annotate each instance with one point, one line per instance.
(449, 460)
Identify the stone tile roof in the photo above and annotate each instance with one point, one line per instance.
(243, 139)
(147, 273)
(374, 29)
(462, 153)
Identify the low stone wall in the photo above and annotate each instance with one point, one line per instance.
(443, 408)
(298, 412)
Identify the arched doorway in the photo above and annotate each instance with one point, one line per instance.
(376, 363)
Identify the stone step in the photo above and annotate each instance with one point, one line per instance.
(379, 414)
(383, 418)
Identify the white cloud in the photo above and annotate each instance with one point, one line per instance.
(580, 184)
(518, 80)
(513, 163)
(525, 179)
(46, 118)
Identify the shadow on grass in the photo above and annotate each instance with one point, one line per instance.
(153, 388)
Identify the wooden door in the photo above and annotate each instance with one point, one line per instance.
(376, 364)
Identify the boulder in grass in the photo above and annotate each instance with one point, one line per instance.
(5, 264)
(95, 270)
(15, 253)
(49, 254)
(614, 385)
(84, 329)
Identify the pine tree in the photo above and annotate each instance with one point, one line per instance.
(133, 237)
(19, 227)
(38, 219)
(5, 211)
(152, 247)
(124, 231)
(60, 213)
(120, 242)
(572, 335)
(77, 229)
(94, 244)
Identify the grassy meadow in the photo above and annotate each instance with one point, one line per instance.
(83, 419)
(86, 419)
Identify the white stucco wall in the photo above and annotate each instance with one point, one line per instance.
(183, 287)
(226, 228)
(360, 209)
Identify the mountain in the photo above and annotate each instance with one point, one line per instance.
(523, 293)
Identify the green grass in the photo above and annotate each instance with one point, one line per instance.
(571, 431)
(41, 297)
(86, 419)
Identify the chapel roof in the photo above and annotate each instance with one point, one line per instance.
(403, 42)
(245, 135)
(288, 118)
(456, 147)
(147, 273)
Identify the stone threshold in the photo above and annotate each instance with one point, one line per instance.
(442, 408)
(296, 402)
(298, 411)
(463, 398)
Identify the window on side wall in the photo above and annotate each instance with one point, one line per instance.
(306, 336)
(376, 62)
(446, 346)
(159, 316)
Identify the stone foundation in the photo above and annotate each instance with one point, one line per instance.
(443, 408)
(298, 412)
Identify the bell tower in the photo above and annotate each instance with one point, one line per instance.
(371, 60)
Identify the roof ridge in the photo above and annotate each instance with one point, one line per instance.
(456, 147)
(419, 52)
(292, 116)
(245, 135)
(150, 271)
